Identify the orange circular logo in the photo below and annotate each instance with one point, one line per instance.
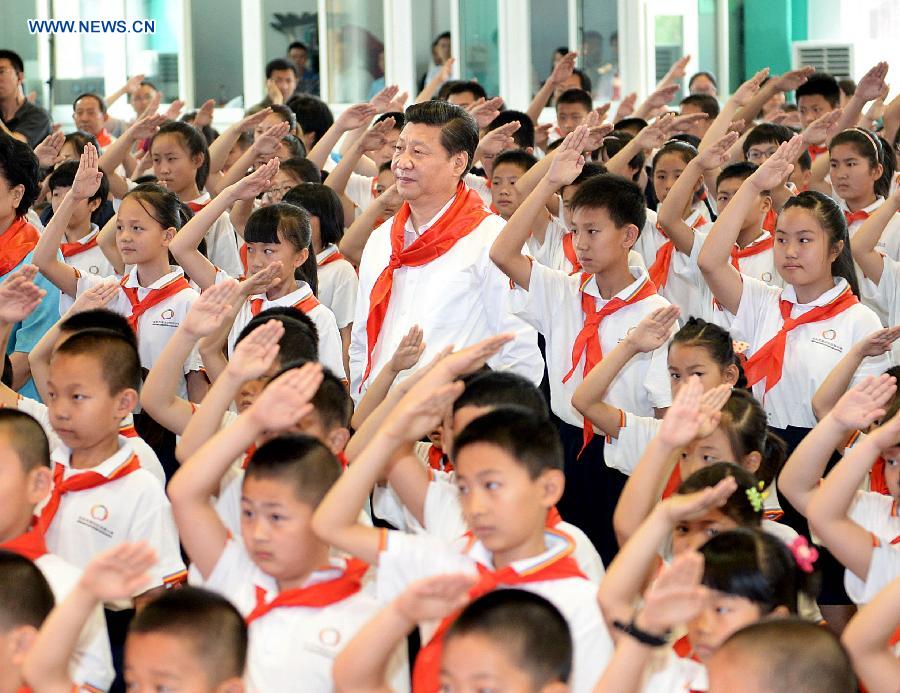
(829, 334)
(100, 513)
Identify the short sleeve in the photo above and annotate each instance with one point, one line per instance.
(539, 304)
(443, 513)
(157, 528)
(359, 190)
(343, 299)
(757, 299)
(407, 558)
(624, 453)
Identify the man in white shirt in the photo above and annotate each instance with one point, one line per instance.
(429, 265)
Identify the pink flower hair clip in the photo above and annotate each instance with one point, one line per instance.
(804, 554)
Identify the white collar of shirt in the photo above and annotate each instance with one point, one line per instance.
(591, 288)
(557, 544)
(299, 294)
(326, 253)
(202, 200)
(334, 570)
(765, 235)
(132, 281)
(63, 456)
(789, 294)
(91, 234)
(871, 208)
(410, 229)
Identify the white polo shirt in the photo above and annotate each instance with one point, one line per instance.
(884, 567)
(291, 645)
(457, 299)
(444, 519)
(552, 304)
(330, 348)
(146, 455)
(878, 513)
(338, 285)
(884, 298)
(131, 508)
(408, 558)
(221, 241)
(359, 190)
(157, 325)
(667, 672)
(811, 351)
(92, 260)
(91, 663)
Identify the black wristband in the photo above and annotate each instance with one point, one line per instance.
(641, 636)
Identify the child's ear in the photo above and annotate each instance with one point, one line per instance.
(730, 375)
(168, 235)
(126, 401)
(40, 480)
(197, 159)
(631, 235)
(765, 204)
(93, 204)
(20, 641)
(552, 483)
(337, 439)
(752, 462)
(302, 257)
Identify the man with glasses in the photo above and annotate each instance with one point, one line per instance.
(18, 116)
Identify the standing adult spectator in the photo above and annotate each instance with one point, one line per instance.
(18, 116)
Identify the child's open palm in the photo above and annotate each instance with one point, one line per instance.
(19, 295)
(383, 99)
(789, 81)
(750, 88)
(421, 410)
(654, 330)
(120, 572)
(375, 137)
(872, 83)
(820, 130)
(88, 176)
(718, 154)
(692, 506)
(564, 68)
(147, 125)
(255, 354)
(267, 278)
(266, 144)
(49, 148)
(249, 123)
(568, 161)
(207, 313)
(484, 111)
(879, 342)
(409, 351)
(684, 418)
(435, 597)
(286, 400)
(864, 403)
(775, 170)
(498, 139)
(356, 116)
(257, 182)
(676, 596)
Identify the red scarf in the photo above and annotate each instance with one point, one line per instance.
(673, 483)
(426, 672)
(154, 297)
(738, 254)
(816, 149)
(770, 221)
(877, 481)
(30, 544)
(248, 455)
(464, 215)
(244, 262)
(104, 139)
(79, 482)
(318, 595)
(437, 460)
(197, 206)
(769, 358)
(15, 243)
(70, 249)
(587, 342)
(334, 257)
(568, 243)
(128, 431)
(853, 217)
(303, 305)
(659, 270)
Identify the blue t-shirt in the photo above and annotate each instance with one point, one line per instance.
(27, 333)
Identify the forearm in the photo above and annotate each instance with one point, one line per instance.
(221, 147)
(850, 114)
(805, 467)
(47, 249)
(588, 397)
(836, 383)
(749, 111)
(371, 424)
(720, 126)
(355, 238)
(643, 489)
(529, 180)
(362, 665)
(116, 95)
(867, 639)
(506, 252)
(375, 394)
(536, 107)
(322, 150)
(189, 236)
(114, 154)
(159, 395)
(207, 419)
(624, 672)
(866, 238)
(239, 169)
(618, 163)
(338, 178)
(671, 210)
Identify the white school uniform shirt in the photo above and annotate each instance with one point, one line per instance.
(884, 567)
(148, 459)
(131, 508)
(680, 289)
(293, 648)
(444, 519)
(359, 190)
(552, 304)
(481, 185)
(221, 241)
(666, 672)
(338, 285)
(811, 350)
(457, 299)
(884, 298)
(157, 325)
(330, 349)
(407, 558)
(91, 261)
(91, 665)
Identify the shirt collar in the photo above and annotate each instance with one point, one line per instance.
(431, 222)
(326, 252)
(870, 209)
(202, 200)
(789, 294)
(557, 544)
(63, 456)
(132, 281)
(302, 291)
(640, 275)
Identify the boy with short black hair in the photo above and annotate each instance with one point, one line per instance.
(465, 94)
(700, 103)
(508, 468)
(820, 94)
(572, 107)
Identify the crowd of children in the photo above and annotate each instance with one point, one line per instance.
(441, 397)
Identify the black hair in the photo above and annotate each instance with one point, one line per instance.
(295, 146)
(524, 136)
(741, 171)
(19, 166)
(90, 95)
(161, 204)
(590, 169)
(870, 147)
(194, 143)
(824, 85)
(584, 79)
(757, 566)
(576, 96)
(79, 139)
(516, 157)
(527, 626)
(615, 141)
(444, 35)
(744, 421)
(804, 161)
(738, 506)
(847, 86)
(500, 389)
(459, 131)
(461, 87)
(703, 73)
(444, 90)
(313, 114)
(399, 119)
(299, 460)
(300, 341)
(793, 655)
(321, 202)
(687, 138)
(528, 438)
(14, 58)
(286, 115)
(716, 340)
(26, 437)
(331, 402)
(706, 103)
(99, 318)
(628, 123)
(292, 222)
(304, 170)
(25, 597)
(297, 44)
(685, 150)
(64, 175)
(280, 64)
(208, 131)
(119, 360)
(831, 217)
(893, 406)
(215, 629)
(766, 133)
(622, 199)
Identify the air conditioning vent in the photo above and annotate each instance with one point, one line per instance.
(826, 56)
